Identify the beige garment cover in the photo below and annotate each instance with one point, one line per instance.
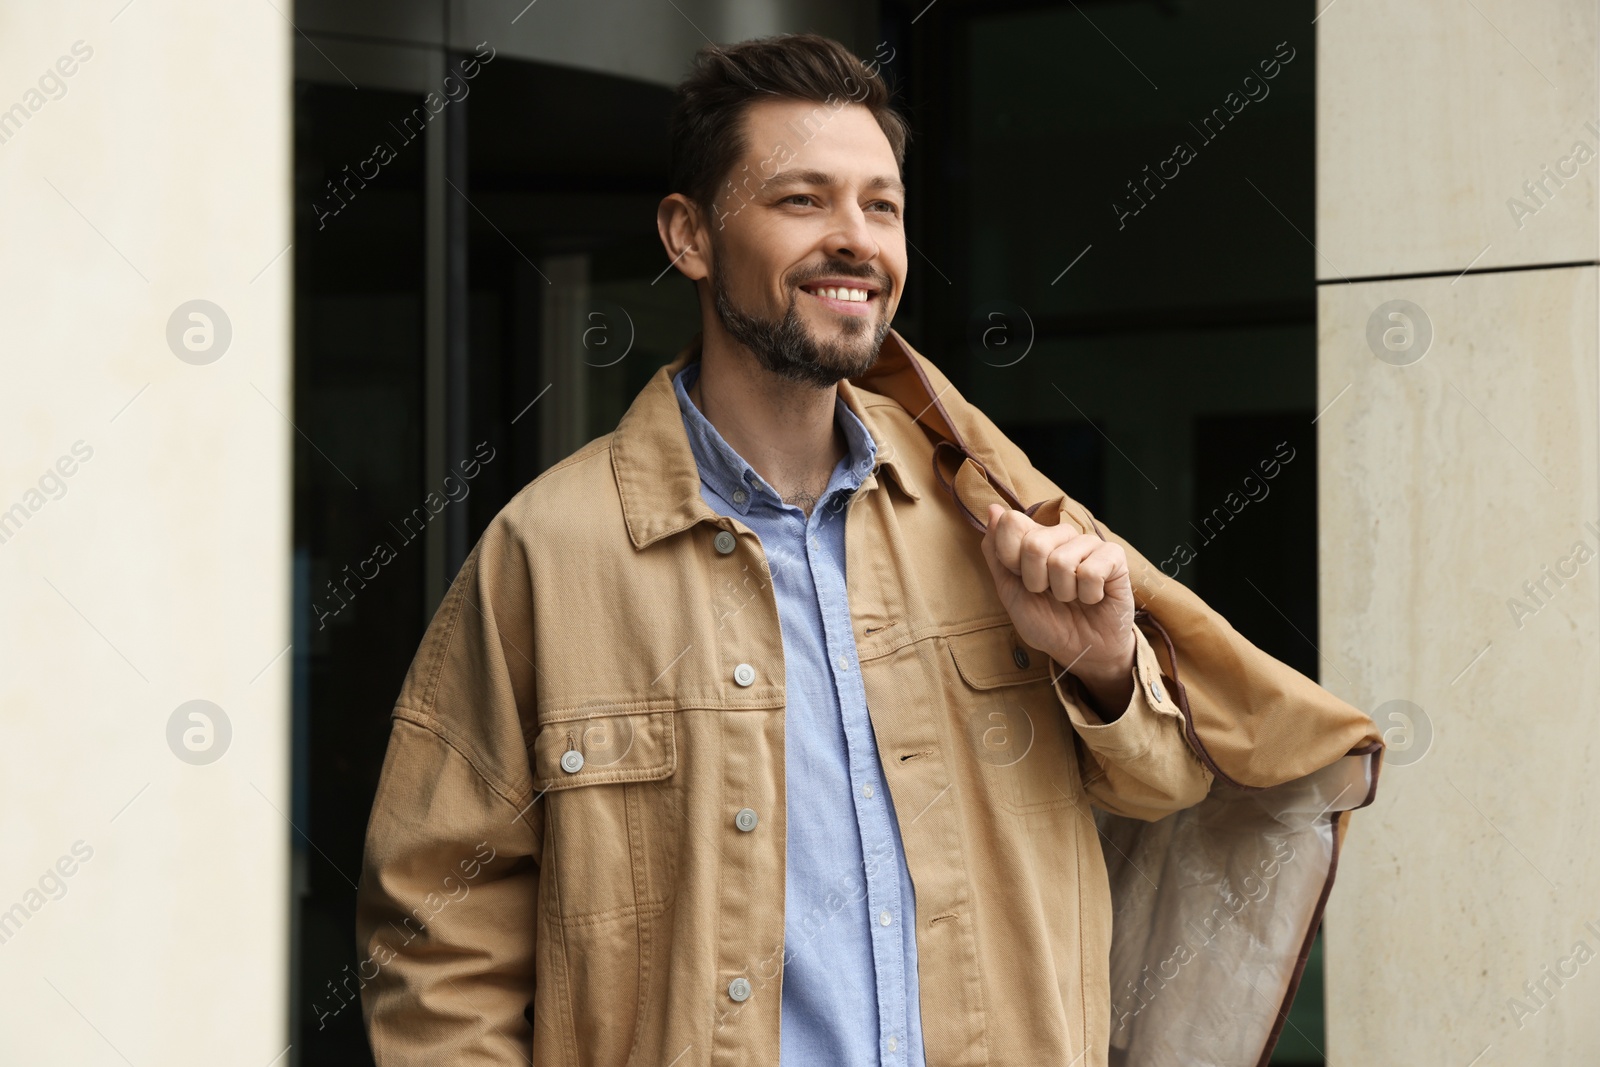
(1215, 906)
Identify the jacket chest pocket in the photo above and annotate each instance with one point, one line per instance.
(1012, 721)
(607, 783)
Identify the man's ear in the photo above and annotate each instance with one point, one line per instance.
(683, 235)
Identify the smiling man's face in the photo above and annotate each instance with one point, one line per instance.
(808, 249)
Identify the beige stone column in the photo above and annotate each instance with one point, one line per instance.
(1458, 144)
(145, 282)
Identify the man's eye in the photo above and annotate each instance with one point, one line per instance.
(796, 196)
(894, 209)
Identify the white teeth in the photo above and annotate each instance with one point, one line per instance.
(842, 294)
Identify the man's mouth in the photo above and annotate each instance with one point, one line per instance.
(849, 299)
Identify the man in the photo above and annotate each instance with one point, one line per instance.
(731, 742)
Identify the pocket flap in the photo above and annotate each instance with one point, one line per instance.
(996, 656)
(610, 748)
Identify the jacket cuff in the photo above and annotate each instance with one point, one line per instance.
(1131, 733)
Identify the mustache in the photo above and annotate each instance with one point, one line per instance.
(879, 281)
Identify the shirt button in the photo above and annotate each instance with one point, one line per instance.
(893, 1044)
(739, 989)
(866, 790)
(1155, 691)
(572, 761)
(724, 541)
(744, 674)
(740, 496)
(844, 663)
(884, 918)
(746, 819)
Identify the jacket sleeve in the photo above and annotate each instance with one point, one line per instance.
(1140, 764)
(446, 908)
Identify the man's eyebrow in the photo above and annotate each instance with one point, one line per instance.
(785, 178)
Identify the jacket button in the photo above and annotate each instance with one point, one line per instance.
(746, 819)
(724, 541)
(744, 674)
(739, 989)
(572, 761)
(1155, 690)
(1019, 656)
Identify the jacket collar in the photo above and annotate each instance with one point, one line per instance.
(657, 477)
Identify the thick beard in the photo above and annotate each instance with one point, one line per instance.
(787, 349)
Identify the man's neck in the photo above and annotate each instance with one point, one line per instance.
(785, 430)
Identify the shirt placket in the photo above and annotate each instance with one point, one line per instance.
(887, 909)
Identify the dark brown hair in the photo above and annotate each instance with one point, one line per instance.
(707, 132)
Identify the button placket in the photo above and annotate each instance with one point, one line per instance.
(883, 888)
(883, 891)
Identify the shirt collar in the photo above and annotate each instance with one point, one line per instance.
(734, 479)
(658, 480)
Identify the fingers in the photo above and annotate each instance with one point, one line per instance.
(1042, 544)
(1070, 564)
(1085, 578)
(1022, 546)
(996, 568)
(1008, 531)
(1062, 566)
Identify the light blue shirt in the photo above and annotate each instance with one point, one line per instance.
(850, 948)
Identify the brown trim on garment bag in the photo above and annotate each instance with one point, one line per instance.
(1182, 696)
(1305, 946)
(1322, 902)
(998, 486)
(935, 403)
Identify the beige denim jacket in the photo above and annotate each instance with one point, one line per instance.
(553, 874)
